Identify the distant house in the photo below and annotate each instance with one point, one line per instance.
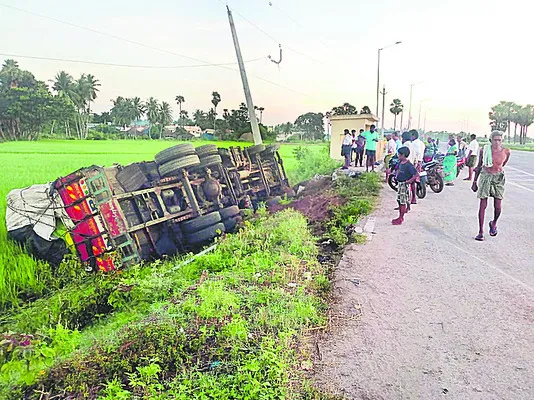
(194, 130)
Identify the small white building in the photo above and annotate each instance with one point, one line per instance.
(350, 122)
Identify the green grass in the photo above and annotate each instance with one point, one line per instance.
(233, 335)
(25, 163)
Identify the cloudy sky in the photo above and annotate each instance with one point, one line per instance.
(465, 55)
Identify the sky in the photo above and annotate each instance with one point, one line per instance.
(463, 56)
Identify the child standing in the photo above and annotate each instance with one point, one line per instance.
(406, 175)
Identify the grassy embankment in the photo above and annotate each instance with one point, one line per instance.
(226, 325)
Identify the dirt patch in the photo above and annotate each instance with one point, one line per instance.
(315, 208)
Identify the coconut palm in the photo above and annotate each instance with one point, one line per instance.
(152, 112)
(164, 116)
(396, 108)
(138, 108)
(63, 84)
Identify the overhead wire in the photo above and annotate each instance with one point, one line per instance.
(127, 65)
(272, 37)
(146, 45)
(287, 15)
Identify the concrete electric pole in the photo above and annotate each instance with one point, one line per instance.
(383, 108)
(248, 97)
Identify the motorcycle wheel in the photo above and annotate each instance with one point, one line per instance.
(436, 183)
(420, 190)
(392, 182)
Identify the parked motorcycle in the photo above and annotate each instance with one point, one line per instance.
(420, 189)
(434, 174)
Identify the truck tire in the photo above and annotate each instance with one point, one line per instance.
(172, 167)
(201, 222)
(174, 152)
(206, 150)
(229, 212)
(206, 234)
(231, 223)
(208, 161)
(251, 150)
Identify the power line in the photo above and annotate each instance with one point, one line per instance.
(144, 45)
(126, 65)
(273, 38)
(295, 21)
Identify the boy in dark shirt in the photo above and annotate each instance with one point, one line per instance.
(406, 175)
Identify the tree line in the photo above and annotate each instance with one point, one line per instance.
(506, 113)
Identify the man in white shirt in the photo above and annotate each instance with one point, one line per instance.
(346, 148)
(472, 153)
(418, 148)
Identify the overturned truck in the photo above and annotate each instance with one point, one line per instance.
(120, 215)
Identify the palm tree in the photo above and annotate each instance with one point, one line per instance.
(138, 108)
(179, 100)
(152, 112)
(63, 84)
(261, 110)
(164, 116)
(396, 108)
(498, 117)
(514, 117)
(215, 100)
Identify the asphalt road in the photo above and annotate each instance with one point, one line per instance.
(424, 311)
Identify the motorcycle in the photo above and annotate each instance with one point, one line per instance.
(420, 188)
(460, 164)
(433, 169)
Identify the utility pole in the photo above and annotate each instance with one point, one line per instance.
(383, 108)
(378, 83)
(410, 109)
(250, 105)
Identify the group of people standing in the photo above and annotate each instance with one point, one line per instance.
(354, 147)
(485, 165)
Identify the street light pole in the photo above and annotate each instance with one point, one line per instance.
(419, 119)
(378, 76)
(424, 125)
(410, 110)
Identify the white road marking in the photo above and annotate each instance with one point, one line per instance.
(494, 268)
(519, 170)
(520, 186)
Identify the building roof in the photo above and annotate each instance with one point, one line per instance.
(353, 117)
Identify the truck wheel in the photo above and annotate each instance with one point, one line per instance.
(231, 223)
(229, 212)
(175, 152)
(172, 167)
(201, 222)
(206, 234)
(251, 150)
(208, 161)
(206, 150)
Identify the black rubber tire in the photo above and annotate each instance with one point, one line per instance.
(174, 166)
(251, 150)
(439, 184)
(458, 170)
(206, 150)
(206, 234)
(231, 223)
(229, 212)
(175, 152)
(392, 182)
(208, 161)
(201, 222)
(420, 190)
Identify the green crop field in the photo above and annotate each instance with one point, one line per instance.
(25, 163)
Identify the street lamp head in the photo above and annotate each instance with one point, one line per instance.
(399, 42)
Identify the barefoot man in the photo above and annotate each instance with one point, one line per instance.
(490, 176)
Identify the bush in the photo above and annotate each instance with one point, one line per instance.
(312, 161)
